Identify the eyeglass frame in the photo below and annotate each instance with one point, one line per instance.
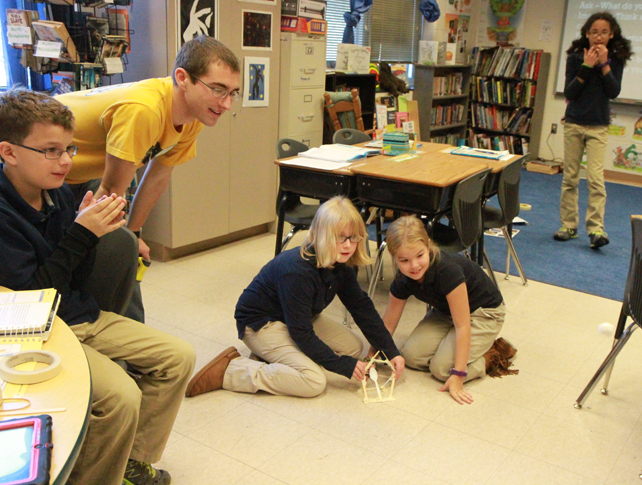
(52, 150)
(234, 95)
(343, 239)
(595, 33)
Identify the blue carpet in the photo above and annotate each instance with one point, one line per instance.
(571, 264)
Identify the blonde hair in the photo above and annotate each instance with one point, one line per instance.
(323, 236)
(409, 231)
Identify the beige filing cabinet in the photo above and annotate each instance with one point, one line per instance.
(302, 87)
(227, 191)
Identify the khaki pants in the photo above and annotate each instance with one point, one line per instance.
(431, 345)
(576, 139)
(129, 418)
(290, 372)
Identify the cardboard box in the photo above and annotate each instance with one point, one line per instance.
(540, 167)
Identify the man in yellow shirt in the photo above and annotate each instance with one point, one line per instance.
(154, 122)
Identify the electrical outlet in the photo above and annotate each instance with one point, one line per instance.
(554, 128)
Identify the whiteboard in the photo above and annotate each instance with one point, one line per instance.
(628, 13)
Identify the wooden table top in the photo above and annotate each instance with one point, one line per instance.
(71, 389)
(430, 167)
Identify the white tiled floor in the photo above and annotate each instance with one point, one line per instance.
(520, 429)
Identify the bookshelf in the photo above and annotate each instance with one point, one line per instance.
(365, 83)
(441, 92)
(507, 95)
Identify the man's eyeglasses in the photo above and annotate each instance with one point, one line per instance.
(604, 33)
(353, 239)
(220, 93)
(53, 153)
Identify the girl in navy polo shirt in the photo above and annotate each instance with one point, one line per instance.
(279, 315)
(455, 340)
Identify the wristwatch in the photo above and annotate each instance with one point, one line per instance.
(138, 233)
(455, 372)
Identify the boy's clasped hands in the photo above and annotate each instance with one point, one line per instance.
(101, 216)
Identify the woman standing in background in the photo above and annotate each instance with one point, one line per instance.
(593, 77)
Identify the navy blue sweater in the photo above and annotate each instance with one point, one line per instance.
(292, 290)
(47, 250)
(588, 101)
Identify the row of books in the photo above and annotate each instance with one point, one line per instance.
(451, 139)
(495, 118)
(502, 91)
(514, 144)
(450, 85)
(512, 62)
(447, 114)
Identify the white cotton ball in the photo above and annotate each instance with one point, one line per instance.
(606, 329)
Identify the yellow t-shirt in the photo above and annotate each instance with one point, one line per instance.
(130, 121)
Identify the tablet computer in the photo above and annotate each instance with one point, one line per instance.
(25, 450)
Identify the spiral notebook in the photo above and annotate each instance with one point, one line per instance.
(27, 315)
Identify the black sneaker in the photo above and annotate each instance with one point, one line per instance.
(140, 473)
(598, 239)
(564, 234)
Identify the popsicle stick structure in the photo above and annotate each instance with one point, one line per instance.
(384, 392)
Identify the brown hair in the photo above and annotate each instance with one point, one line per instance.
(619, 47)
(197, 54)
(321, 240)
(21, 108)
(408, 231)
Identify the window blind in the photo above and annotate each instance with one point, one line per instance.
(395, 30)
(336, 25)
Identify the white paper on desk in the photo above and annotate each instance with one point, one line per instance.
(374, 144)
(314, 163)
(338, 153)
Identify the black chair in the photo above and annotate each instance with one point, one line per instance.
(502, 216)
(631, 307)
(465, 226)
(348, 136)
(297, 214)
(114, 274)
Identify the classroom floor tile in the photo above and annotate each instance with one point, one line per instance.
(520, 429)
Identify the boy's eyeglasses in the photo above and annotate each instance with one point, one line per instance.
(53, 153)
(353, 239)
(604, 33)
(220, 93)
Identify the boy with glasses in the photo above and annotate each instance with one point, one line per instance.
(44, 243)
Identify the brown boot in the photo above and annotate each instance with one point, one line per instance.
(497, 363)
(210, 377)
(504, 348)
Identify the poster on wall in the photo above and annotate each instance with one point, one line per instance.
(501, 22)
(256, 85)
(198, 17)
(624, 146)
(257, 30)
(452, 27)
